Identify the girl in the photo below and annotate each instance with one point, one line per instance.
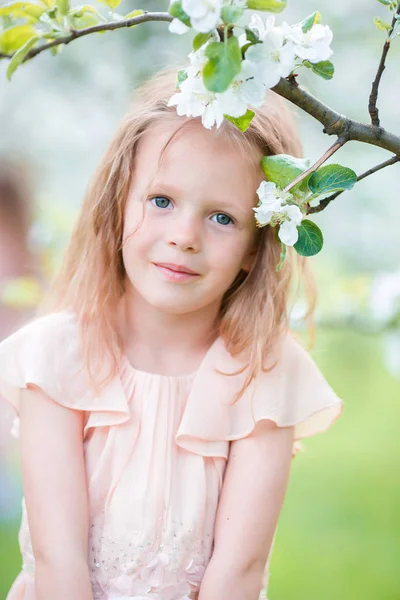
(160, 392)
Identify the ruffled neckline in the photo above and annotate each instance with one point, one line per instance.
(157, 376)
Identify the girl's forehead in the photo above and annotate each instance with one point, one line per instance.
(196, 155)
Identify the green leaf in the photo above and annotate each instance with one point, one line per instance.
(385, 2)
(19, 56)
(275, 6)
(22, 9)
(83, 8)
(82, 21)
(324, 68)
(177, 11)
(111, 3)
(281, 169)
(381, 24)
(200, 39)
(63, 7)
(311, 20)
(14, 38)
(331, 178)
(180, 77)
(282, 257)
(251, 36)
(310, 240)
(225, 60)
(134, 13)
(242, 122)
(231, 14)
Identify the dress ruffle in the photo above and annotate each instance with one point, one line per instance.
(47, 352)
(293, 393)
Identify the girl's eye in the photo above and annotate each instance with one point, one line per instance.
(223, 219)
(161, 202)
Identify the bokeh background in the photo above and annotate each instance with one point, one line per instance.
(339, 530)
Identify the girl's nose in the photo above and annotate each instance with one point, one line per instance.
(185, 233)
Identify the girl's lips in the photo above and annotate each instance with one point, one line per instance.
(177, 276)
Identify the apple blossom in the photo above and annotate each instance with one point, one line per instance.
(204, 15)
(292, 215)
(176, 26)
(245, 90)
(271, 201)
(313, 45)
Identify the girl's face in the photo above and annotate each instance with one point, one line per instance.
(197, 215)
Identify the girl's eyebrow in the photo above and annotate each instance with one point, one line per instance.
(168, 188)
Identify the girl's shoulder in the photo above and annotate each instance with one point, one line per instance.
(47, 352)
(49, 330)
(293, 393)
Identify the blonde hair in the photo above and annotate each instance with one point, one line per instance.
(254, 312)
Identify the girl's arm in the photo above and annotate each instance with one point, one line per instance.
(251, 499)
(55, 490)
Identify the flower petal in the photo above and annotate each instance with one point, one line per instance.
(288, 233)
(176, 26)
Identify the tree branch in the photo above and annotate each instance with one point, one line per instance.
(334, 148)
(77, 33)
(324, 203)
(335, 123)
(372, 108)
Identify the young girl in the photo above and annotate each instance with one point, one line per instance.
(160, 392)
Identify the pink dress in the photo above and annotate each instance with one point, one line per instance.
(156, 449)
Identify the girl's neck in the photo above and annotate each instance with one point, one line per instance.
(155, 341)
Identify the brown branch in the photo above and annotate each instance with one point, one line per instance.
(324, 203)
(77, 33)
(334, 148)
(335, 123)
(372, 108)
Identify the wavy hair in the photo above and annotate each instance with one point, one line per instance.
(255, 310)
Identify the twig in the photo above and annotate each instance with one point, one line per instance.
(324, 203)
(372, 108)
(334, 148)
(77, 33)
(335, 123)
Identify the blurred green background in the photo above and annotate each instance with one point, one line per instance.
(339, 531)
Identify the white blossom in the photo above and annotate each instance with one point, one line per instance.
(260, 28)
(204, 15)
(194, 100)
(275, 56)
(314, 45)
(287, 216)
(264, 65)
(176, 26)
(245, 90)
(270, 202)
(288, 233)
